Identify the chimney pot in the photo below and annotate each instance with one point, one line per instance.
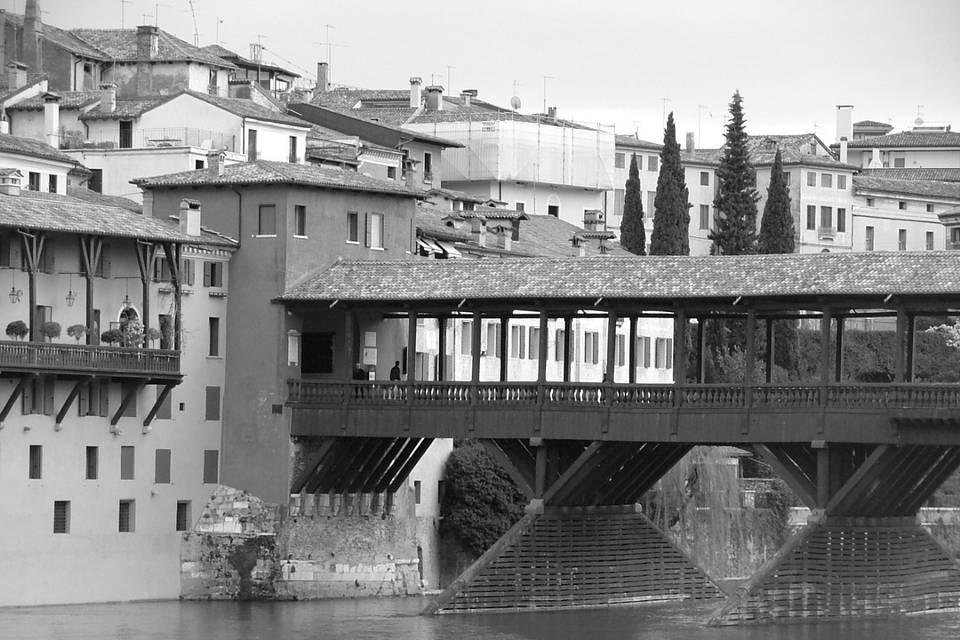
(190, 217)
(468, 95)
(415, 97)
(10, 183)
(215, 162)
(844, 121)
(51, 119)
(691, 141)
(323, 74)
(552, 113)
(16, 75)
(148, 41)
(108, 97)
(434, 98)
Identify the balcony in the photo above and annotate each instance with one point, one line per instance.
(152, 138)
(72, 360)
(637, 412)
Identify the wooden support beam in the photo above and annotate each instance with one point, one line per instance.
(944, 468)
(442, 347)
(825, 346)
(364, 464)
(680, 347)
(74, 392)
(390, 472)
(411, 352)
(311, 465)
(632, 345)
(540, 472)
(911, 347)
(91, 250)
(542, 347)
(790, 474)
(838, 358)
(573, 470)
(410, 464)
(146, 254)
(872, 467)
(823, 477)
(17, 392)
(475, 335)
(519, 478)
(128, 397)
(610, 367)
(377, 472)
(768, 359)
(172, 252)
(504, 347)
(161, 398)
(567, 347)
(899, 369)
(33, 241)
(349, 358)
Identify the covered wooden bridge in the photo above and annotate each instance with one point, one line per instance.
(863, 456)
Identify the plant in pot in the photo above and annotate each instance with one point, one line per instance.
(112, 337)
(133, 333)
(77, 331)
(17, 329)
(152, 334)
(50, 330)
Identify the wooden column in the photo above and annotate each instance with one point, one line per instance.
(33, 241)
(911, 347)
(768, 355)
(633, 349)
(838, 357)
(504, 347)
(146, 254)
(90, 252)
(411, 348)
(475, 347)
(567, 347)
(542, 348)
(749, 353)
(900, 346)
(441, 347)
(825, 346)
(702, 350)
(680, 346)
(611, 365)
(173, 262)
(823, 476)
(349, 331)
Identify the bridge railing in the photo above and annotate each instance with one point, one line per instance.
(627, 396)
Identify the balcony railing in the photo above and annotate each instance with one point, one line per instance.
(57, 357)
(157, 137)
(876, 396)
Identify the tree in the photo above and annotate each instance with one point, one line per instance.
(776, 226)
(671, 220)
(633, 238)
(736, 202)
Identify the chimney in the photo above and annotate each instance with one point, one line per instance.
(215, 162)
(108, 97)
(552, 113)
(844, 121)
(435, 98)
(415, 83)
(10, 182)
(875, 162)
(843, 150)
(16, 75)
(148, 41)
(32, 27)
(51, 119)
(504, 241)
(190, 217)
(579, 245)
(478, 228)
(691, 141)
(323, 75)
(592, 220)
(468, 95)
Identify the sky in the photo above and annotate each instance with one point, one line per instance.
(622, 64)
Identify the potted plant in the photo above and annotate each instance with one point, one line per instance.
(152, 334)
(50, 330)
(17, 329)
(111, 336)
(77, 331)
(133, 333)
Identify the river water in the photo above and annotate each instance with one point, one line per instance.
(397, 618)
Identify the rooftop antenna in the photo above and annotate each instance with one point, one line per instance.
(219, 22)
(700, 108)
(156, 12)
(919, 120)
(636, 129)
(123, 2)
(515, 100)
(196, 29)
(545, 78)
(449, 86)
(663, 115)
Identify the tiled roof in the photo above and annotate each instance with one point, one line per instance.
(928, 188)
(87, 195)
(657, 279)
(68, 100)
(909, 139)
(794, 149)
(872, 124)
(265, 172)
(30, 147)
(248, 109)
(430, 222)
(65, 39)
(240, 61)
(493, 213)
(126, 108)
(121, 45)
(633, 142)
(455, 109)
(948, 174)
(66, 214)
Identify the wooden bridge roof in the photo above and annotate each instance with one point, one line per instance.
(654, 279)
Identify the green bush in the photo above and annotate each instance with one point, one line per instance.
(17, 329)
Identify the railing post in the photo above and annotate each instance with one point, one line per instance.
(411, 353)
(824, 355)
(611, 364)
(632, 345)
(475, 332)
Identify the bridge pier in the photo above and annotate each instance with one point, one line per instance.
(583, 542)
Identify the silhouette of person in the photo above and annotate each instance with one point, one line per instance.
(395, 372)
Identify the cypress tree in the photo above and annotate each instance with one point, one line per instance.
(736, 201)
(671, 219)
(633, 238)
(776, 236)
(776, 226)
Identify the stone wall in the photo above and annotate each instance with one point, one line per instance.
(244, 549)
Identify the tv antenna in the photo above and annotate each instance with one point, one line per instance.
(196, 29)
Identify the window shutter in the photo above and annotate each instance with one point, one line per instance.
(162, 466)
(104, 398)
(188, 272)
(368, 231)
(104, 261)
(211, 458)
(213, 404)
(27, 396)
(83, 400)
(207, 273)
(49, 383)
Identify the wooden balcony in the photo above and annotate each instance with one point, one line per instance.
(72, 359)
(702, 413)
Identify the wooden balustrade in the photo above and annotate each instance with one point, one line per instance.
(627, 396)
(54, 357)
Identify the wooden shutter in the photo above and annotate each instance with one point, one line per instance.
(104, 398)
(207, 273)
(163, 412)
(49, 384)
(212, 404)
(368, 231)
(27, 396)
(83, 400)
(162, 466)
(211, 459)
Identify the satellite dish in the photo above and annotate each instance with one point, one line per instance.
(918, 121)
(515, 102)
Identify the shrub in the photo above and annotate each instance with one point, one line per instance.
(152, 334)
(17, 329)
(112, 336)
(50, 329)
(77, 331)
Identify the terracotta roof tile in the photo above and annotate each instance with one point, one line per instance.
(68, 100)
(633, 142)
(126, 108)
(661, 279)
(947, 174)
(909, 139)
(928, 188)
(30, 147)
(121, 45)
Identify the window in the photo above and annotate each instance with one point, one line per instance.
(267, 220)
(651, 200)
(126, 134)
(61, 516)
(811, 217)
(183, 515)
(52, 184)
(786, 178)
(520, 206)
(902, 205)
(619, 160)
(621, 350)
(955, 235)
(36, 462)
(213, 274)
(161, 470)
(300, 220)
(869, 202)
(561, 345)
(811, 179)
(518, 342)
(214, 342)
(33, 181)
(416, 491)
(841, 219)
(493, 339)
(212, 411)
(427, 166)
(391, 173)
(642, 345)
(126, 463)
(618, 196)
(251, 145)
(353, 227)
(826, 217)
(93, 463)
(591, 347)
(841, 182)
(704, 217)
(466, 338)
(705, 178)
(533, 344)
(664, 353)
(187, 272)
(826, 179)
(899, 163)
(292, 159)
(374, 238)
(211, 463)
(868, 240)
(316, 353)
(198, 164)
(902, 240)
(652, 163)
(96, 180)
(553, 210)
(929, 238)
(929, 208)
(125, 521)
